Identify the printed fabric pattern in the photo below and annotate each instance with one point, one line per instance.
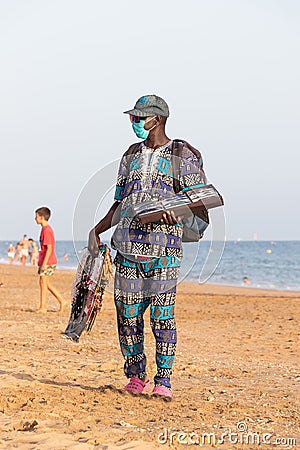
(137, 287)
(145, 176)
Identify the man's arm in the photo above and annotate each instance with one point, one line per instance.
(111, 219)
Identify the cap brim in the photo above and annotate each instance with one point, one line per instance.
(136, 112)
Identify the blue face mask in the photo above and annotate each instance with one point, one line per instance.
(139, 129)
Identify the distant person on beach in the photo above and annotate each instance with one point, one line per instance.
(11, 251)
(246, 280)
(18, 252)
(24, 250)
(148, 256)
(33, 252)
(47, 259)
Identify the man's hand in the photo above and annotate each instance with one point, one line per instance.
(169, 218)
(94, 243)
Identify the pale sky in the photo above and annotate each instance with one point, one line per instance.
(229, 71)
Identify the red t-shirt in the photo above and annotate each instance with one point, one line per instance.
(47, 238)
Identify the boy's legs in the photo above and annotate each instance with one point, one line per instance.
(43, 294)
(54, 291)
(45, 285)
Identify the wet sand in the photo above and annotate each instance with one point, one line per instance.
(236, 367)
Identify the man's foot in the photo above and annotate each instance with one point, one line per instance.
(136, 385)
(162, 391)
(41, 311)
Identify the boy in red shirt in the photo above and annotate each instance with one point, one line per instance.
(47, 259)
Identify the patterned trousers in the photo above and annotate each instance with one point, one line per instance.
(137, 286)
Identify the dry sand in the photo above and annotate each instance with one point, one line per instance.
(237, 361)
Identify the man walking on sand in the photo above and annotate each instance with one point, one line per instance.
(47, 260)
(148, 255)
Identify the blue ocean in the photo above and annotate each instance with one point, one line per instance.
(270, 265)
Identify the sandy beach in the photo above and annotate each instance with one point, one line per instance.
(236, 371)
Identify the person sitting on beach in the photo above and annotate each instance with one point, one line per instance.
(24, 249)
(148, 256)
(11, 251)
(47, 259)
(34, 252)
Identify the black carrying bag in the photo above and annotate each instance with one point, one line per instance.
(195, 225)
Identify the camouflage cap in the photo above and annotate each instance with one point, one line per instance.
(149, 105)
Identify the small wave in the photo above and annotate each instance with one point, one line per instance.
(71, 268)
(6, 261)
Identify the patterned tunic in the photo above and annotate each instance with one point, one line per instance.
(146, 176)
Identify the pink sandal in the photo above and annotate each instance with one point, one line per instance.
(162, 390)
(136, 385)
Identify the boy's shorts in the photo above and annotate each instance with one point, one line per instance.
(48, 272)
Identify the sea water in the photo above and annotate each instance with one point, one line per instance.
(271, 265)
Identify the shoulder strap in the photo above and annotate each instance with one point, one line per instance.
(129, 154)
(177, 149)
(132, 149)
(189, 146)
